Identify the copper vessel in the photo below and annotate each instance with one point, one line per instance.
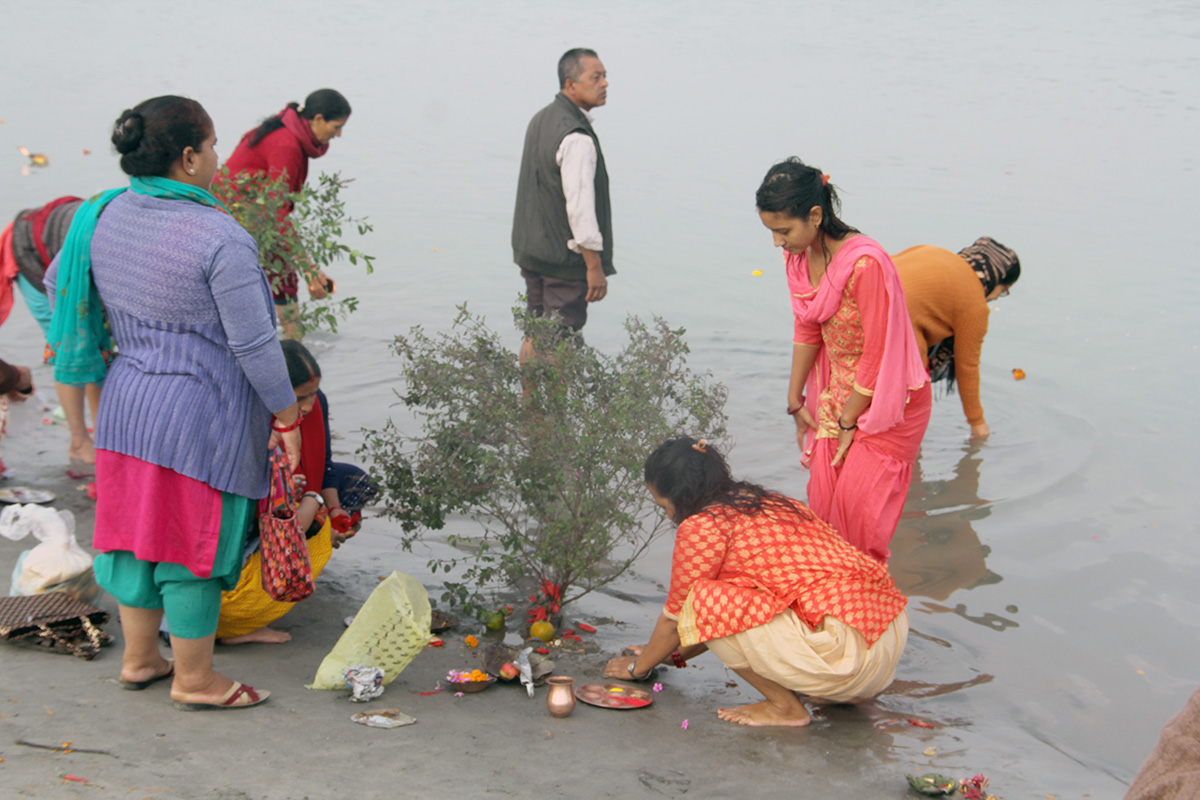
(560, 696)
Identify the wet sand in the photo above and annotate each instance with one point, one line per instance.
(302, 744)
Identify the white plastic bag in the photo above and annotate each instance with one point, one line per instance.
(58, 558)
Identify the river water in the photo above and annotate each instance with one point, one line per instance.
(1055, 625)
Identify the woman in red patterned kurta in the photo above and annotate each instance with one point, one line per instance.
(859, 391)
(773, 591)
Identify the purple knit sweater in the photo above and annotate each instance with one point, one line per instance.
(199, 370)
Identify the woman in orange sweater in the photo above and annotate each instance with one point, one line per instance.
(950, 313)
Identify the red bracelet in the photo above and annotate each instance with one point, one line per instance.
(794, 411)
(337, 508)
(292, 427)
(677, 659)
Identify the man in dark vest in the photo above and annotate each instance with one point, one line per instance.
(562, 226)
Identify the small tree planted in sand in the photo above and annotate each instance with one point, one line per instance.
(307, 240)
(546, 455)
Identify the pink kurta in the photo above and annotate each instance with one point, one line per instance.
(132, 514)
(866, 344)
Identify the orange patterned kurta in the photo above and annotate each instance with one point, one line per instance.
(731, 572)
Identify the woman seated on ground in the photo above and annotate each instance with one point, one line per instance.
(950, 313)
(330, 510)
(773, 591)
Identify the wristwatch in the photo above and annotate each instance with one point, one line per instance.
(315, 496)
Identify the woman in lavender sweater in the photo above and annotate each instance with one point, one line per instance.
(190, 399)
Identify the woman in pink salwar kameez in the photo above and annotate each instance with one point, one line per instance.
(859, 391)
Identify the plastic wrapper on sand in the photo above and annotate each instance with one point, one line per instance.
(388, 632)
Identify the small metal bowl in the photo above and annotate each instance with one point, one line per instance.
(469, 687)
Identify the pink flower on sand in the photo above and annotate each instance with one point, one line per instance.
(657, 687)
(458, 694)
(684, 725)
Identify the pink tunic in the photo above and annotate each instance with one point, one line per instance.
(132, 514)
(863, 497)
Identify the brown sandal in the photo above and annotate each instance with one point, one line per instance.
(239, 696)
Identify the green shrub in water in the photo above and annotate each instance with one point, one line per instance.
(547, 455)
(309, 240)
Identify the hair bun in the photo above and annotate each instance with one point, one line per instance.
(128, 132)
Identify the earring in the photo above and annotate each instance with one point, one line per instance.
(191, 172)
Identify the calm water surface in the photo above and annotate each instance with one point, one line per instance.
(1051, 569)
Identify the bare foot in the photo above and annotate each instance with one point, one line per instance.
(82, 450)
(764, 713)
(264, 635)
(148, 673)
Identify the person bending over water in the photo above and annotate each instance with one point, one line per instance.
(282, 147)
(27, 247)
(774, 592)
(861, 418)
(329, 510)
(950, 314)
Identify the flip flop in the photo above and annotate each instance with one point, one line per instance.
(137, 686)
(232, 699)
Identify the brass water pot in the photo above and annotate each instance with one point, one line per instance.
(560, 696)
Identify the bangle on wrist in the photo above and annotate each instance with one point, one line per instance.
(292, 427)
(633, 676)
(336, 508)
(846, 427)
(794, 411)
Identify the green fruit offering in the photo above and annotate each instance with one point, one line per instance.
(494, 620)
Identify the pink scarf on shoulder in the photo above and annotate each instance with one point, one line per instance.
(901, 368)
(300, 128)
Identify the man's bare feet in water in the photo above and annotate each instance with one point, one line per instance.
(263, 635)
(766, 714)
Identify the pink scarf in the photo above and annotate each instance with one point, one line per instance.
(901, 368)
(300, 128)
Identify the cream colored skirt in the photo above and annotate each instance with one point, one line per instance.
(832, 662)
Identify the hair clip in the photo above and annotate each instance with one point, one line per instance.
(824, 179)
(701, 446)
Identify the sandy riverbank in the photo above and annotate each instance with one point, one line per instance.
(302, 744)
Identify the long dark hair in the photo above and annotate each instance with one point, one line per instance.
(693, 475)
(329, 103)
(792, 188)
(301, 365)
(155, 132)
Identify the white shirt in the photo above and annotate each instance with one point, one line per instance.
(576, 159)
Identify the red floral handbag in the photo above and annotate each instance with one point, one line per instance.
(286, 570)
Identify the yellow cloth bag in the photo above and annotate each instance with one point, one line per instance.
(388, 632)
(247, 607)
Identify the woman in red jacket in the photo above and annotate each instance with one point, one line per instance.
(282, 146)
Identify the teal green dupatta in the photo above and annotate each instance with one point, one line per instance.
(80, 344)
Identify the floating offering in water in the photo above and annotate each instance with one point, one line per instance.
(35, 159)
(1018, 374)
(756, 273)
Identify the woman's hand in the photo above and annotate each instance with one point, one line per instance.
(980, 431)
(845, 438)
(24, 387)
(341, 527)
(291, 446)
(804, 421)
(321, 285)
(619, 667)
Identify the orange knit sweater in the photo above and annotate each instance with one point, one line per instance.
(945, 298)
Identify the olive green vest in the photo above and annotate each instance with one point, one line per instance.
(540, 225)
